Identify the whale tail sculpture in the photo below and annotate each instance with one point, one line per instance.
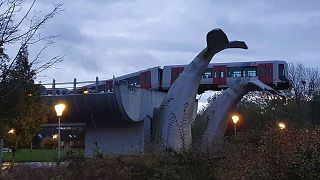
(174, 116)
(216, 115)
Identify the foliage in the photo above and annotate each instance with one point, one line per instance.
(22, 108)
(300, 107)
(41, 155)
(272, 154)
(268, 154)
(49, 143)
(304, 81)
(200, 124)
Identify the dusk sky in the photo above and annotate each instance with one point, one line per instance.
(116, 37)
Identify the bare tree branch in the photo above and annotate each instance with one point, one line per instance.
(14, 28)
(26, 30)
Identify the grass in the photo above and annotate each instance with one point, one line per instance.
(37, 155)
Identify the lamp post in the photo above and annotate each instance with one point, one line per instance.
(235, 119)
(11, 133)
(59, 110)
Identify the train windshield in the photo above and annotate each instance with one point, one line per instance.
(282, 72)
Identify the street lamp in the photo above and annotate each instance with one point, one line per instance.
(11, 131)
(55, 136)
(235, 119)
(59, 110)
(282, 125)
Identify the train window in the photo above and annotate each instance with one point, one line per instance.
(270, 72)
(252, 73)
(281, 70)
(133, 80)
(236, 74)
(207, 74)
(222, 74)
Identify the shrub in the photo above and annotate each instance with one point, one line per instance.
(49, 143)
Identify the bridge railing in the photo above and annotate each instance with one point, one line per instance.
(64, 88)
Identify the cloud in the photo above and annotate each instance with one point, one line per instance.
(105, 38)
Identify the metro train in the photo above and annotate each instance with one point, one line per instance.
(217, 76)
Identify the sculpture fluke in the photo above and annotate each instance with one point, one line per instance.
(217, 40)
(237, 44)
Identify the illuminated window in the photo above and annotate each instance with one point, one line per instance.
(252, 73)
(234, 71)
(207, 74)
(236, 74)
(221, 74)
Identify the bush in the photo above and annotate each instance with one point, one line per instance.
(49, 143)
(269, 154)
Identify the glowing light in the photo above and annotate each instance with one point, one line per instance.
(11, 131)
(85, 92)
(282, 125)
(55, 136)
(59, 109)
(235, 119)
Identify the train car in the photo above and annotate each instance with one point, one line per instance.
(217, 76)
(149, 79)
(222, 75)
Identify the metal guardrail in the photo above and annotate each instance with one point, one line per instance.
(89, 85)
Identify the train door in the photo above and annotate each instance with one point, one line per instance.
(220, 75)
(266, 73)
(145, 80)
(175, 72)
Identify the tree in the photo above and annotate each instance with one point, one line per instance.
(304, 81)
(24, 110)
(20, 105)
